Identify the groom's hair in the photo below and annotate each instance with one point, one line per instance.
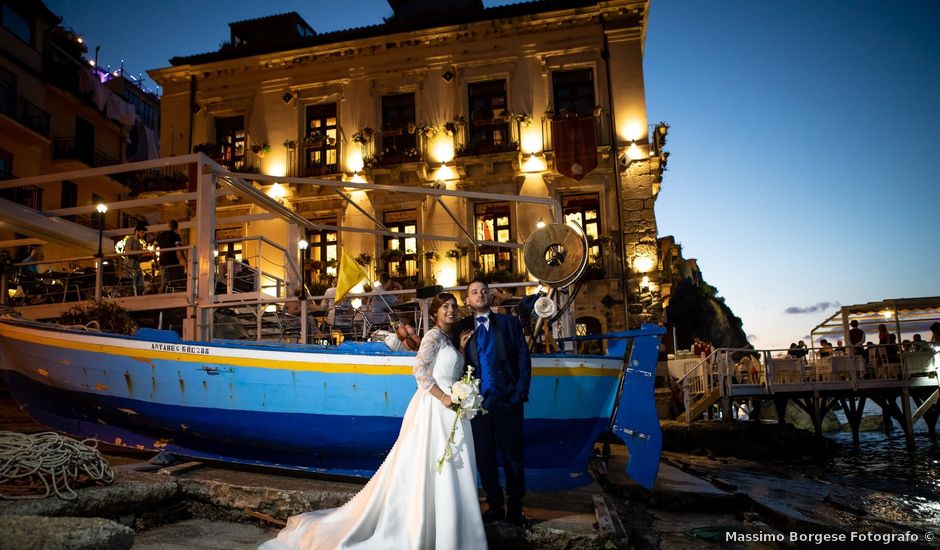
(437, 302)
(479, 280)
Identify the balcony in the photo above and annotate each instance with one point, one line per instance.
(65, 148)
(24, 112)
(601, 127)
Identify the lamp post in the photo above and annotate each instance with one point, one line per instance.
(102, 210)
(99, 269)
(302, 244)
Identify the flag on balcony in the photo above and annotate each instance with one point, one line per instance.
(349, 275)
(575, 144)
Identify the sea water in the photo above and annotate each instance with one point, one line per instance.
(909, 480)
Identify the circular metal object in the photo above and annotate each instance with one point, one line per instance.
(556, 254)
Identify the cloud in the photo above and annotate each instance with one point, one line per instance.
(821, 306)
(752, 337)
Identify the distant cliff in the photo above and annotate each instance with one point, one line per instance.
(697, 310)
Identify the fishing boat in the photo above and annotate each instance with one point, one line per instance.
(332, 409)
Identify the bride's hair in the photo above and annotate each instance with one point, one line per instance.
(438, 301)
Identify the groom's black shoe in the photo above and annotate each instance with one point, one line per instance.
(494, 514)
(518, 518)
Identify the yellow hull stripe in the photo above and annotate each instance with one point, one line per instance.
(13, 333)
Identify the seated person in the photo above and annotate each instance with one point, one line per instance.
(37, 254)
(30, 279)
(920, 345)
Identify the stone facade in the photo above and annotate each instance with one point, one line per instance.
(473, 100)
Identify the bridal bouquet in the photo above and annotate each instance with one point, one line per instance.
(465, 393)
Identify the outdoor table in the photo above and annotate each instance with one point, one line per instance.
(841, 367)
(787, 370)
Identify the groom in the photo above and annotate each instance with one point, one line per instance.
(500, 357)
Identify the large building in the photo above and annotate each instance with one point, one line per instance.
(539, 98)
(59, 113)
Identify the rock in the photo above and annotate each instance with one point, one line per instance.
(130, 491)
(873, 423)
(63, 533)
(798, 418)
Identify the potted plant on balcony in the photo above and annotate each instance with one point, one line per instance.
(524, 119)
(261, 150)
(459, 251)
(364, 259)
(431, 255)
(363, 136)
(393, 255)
(290, 144)
(428, 131)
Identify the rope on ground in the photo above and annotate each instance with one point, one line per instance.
(35, 466)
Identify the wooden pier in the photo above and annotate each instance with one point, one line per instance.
(906, 390)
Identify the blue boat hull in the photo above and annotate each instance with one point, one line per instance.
(328, 410)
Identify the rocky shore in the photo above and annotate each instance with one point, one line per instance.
(744, 484)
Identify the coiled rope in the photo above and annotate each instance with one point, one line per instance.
(46, 463)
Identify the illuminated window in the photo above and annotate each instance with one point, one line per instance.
(584, 210)
(573, 92)
(320, 144)
(230, 137)
(398, 134)
(401, 252)
(488, 128)
(493, 223)
(323, 249)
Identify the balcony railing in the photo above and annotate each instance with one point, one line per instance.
(601, 129)
(66, 148)
(24, 112)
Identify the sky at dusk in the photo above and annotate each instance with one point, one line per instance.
(805, 135)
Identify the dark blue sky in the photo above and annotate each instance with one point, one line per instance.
(805, 135)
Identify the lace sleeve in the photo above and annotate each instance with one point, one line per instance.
(423, 370)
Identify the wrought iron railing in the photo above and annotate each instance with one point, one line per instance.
(26, 113)
(67, 148)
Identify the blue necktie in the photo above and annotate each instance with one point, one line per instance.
(483, 348)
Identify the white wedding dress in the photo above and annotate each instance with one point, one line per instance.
(408, 504)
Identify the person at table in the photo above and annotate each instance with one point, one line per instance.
(883, 335)
(935, 333)
(919, 344)
(30, 278)
(792, 351)
(801, 349)
(825, 348)
(840, 348)
(891, 350)
(857, 340)
(381, 304)
(36, 255)
(172, 262)
(131, 246)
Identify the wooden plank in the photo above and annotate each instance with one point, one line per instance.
(925, 405)
(180, 468)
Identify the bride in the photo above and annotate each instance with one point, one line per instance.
(408, 504)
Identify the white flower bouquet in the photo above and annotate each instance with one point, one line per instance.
(465, 394)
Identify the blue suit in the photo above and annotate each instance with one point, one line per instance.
(507, 381)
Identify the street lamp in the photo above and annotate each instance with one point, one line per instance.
(302, 245)
(102, 210)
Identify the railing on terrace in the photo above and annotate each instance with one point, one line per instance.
(739, 371)
(25, 112)
(601, 129)
(66, 148)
